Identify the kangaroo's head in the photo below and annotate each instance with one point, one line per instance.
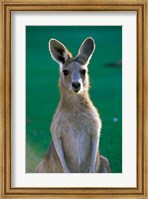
(74, 71)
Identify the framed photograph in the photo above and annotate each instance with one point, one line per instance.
(73, 99)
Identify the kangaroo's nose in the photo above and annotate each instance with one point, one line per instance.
(76, 85)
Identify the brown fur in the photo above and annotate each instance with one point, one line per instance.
(76, 124)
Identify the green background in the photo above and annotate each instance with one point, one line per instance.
(42, 92)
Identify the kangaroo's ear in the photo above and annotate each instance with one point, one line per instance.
(86, 50)
(58, 51)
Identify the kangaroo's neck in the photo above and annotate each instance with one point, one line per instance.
(72, 101)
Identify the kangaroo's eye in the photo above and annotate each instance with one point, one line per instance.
(83, 71)
(66, 72)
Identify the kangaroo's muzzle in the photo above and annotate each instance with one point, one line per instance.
(76, 86)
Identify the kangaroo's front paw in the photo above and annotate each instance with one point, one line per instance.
(66, 170)
(92, 170)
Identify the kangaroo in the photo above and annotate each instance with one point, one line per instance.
(76, 124)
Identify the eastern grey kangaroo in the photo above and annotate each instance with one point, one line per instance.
(76, 124)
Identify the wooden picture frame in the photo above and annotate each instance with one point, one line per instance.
(141, 7)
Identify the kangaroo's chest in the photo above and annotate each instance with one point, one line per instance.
(75, 130)
(78, 124)
(77, 140)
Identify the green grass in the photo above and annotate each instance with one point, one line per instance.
(42, 94)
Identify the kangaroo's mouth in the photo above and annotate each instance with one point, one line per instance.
(76, 90)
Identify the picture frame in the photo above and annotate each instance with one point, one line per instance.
(5, 125)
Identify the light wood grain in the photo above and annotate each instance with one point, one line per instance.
(141, 6)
